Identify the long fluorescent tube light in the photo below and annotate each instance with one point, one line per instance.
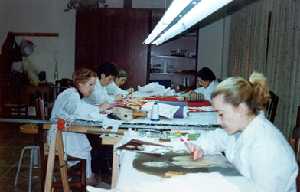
(172, 12)
(196, 14)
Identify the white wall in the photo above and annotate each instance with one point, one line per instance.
(49, 16)
(213, 47)
(43, 16)
(150, 3)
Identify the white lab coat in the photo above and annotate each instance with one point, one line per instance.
(113, 89)
(208, 90)
(99, 95)
(260, 153)
(68, 106)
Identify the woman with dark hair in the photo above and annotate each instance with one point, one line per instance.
(250, 141)
(68, 105)
(106, 74)
(206, 82)
(114, 88)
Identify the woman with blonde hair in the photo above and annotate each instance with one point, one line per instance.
(250, 141)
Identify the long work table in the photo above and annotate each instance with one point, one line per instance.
(127, 170)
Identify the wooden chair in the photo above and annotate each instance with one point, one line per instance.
(271, 107)
(61, 85)
(295, 138)
(295, 142)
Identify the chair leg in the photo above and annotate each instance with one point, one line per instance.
(83, 175)
(19, 166)
(32, 151)
(36, 158)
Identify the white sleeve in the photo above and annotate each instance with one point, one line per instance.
(99, 95)
(113, 89)
(212, 142)
(199, 90)
(95, 97)
(71, 103)
(87, 111)
(269, 171)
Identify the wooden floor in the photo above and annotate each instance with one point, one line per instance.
(11, 144)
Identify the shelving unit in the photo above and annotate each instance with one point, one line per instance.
(178, 70)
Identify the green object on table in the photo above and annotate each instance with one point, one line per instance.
(193, 136)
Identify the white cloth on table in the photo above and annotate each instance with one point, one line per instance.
(153, 89)
(201, 118)
(260, 153)
(115, 124)
(113, 89)
(212, 182)
(164, 110)
(69, 106)
(208, 90)
(99, 95)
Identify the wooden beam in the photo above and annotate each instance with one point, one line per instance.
(62, 162)
(37, 34)
(50, 167)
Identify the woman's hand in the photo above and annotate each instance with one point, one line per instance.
(196, 151)
(130, 90)
(118, 98)
(104, 106)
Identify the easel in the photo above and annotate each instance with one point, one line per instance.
(58, 144)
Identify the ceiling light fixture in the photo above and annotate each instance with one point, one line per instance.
(191, 12)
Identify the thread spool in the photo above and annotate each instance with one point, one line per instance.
(155, 112)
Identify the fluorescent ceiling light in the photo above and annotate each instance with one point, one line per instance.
(197, 13)
(173, 11)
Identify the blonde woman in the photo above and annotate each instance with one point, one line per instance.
(250, 141)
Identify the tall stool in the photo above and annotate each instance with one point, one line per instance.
(34, 154)
(34, 149)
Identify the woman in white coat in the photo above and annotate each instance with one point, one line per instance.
(68, 106)
(250, 141)
(207, 83)
(106, 74)
(114, 88)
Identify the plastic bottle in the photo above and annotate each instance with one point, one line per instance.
(155, 112)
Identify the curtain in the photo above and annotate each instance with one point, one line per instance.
(265, 37)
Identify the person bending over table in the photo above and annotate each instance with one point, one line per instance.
(114, 87)
(68, 105)
(106, 74)
(249, 140)
(206, 83)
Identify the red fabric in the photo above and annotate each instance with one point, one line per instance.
(198, 103)
(162, 98)
(189, 103)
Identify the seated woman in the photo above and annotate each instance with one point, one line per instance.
(250, 141)
(106, 74)
(69, 105)
(114, 87)
(206, 83)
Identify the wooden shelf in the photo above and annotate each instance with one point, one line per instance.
(174, 73)
(172, 57)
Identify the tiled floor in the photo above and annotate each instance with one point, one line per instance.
(11, 144)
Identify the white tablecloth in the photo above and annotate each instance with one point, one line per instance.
(201, 118)
(133, 180)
